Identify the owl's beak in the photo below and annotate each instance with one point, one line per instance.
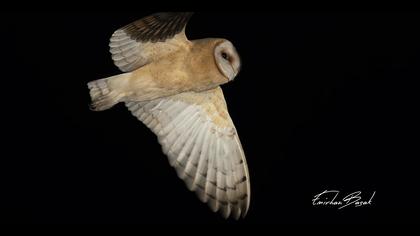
(235, 73)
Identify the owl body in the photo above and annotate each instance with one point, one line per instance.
(191, 67)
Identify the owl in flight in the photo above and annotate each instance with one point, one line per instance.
(172, 85)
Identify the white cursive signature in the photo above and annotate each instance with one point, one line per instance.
(332, 198)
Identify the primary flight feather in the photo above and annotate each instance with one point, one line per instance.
(172, 85)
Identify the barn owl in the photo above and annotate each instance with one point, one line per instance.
(172, 85)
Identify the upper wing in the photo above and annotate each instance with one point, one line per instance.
(200, 140)
(147, 39)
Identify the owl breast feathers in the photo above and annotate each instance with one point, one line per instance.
(172, 85)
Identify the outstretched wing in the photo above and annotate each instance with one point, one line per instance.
(147, 39)
(201, 142)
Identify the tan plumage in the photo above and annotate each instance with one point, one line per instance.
(171, 84)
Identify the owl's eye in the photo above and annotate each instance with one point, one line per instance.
(225, 56)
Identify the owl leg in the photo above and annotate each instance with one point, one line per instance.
(103, 95)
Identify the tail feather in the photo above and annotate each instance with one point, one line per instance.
(103, 97)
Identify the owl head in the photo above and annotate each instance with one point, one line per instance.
(227, 59)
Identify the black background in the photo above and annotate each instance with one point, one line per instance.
(325, 100)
